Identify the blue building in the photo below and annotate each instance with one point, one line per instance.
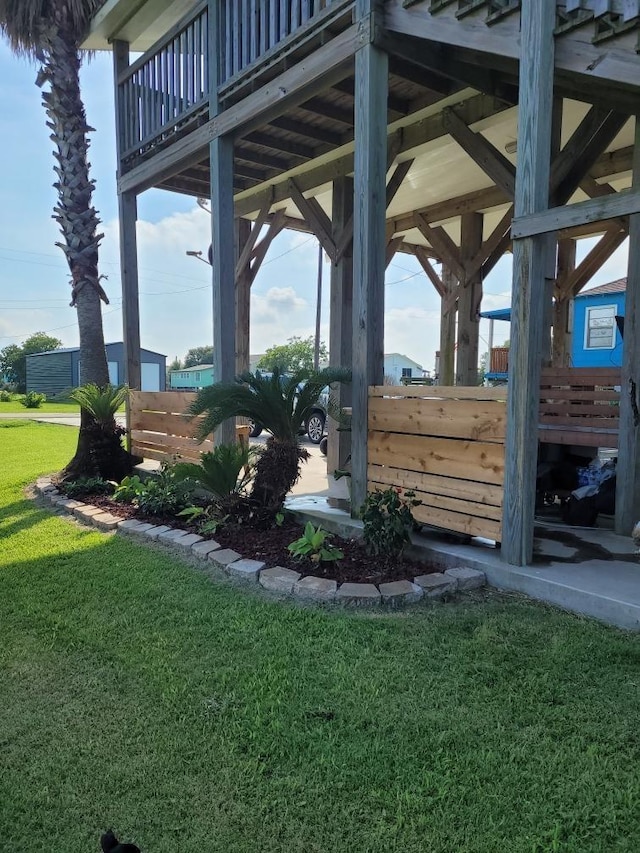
(596, 330)
(596, 339)
(58, 370)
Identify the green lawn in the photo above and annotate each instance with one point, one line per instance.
(195, 717)
(14, 406)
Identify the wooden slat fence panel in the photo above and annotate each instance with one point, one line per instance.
(160, 430)
(580, 405)
(447, 447)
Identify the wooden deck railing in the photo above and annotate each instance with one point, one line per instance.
(580, 406)
(168, 86)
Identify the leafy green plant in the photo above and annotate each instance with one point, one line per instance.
(5, 397)
(87, 486)
(388, 520)
(128, 490)
(208, 517)
(33, 400)
(280, 404)
(314, 545)
(224, 471)
(101, 403)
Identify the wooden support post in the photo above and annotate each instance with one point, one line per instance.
(529, 267)
(469, 299)
(448, 307)
(127, 217)
(243, 297)
(127, 205)
(628, 479)
(561, 356)
(340, 322)
(552, 244)
(222, 239)
(372, 66)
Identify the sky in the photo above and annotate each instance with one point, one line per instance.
(175, 290)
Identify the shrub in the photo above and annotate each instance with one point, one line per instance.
(313, 544)
(388, 520)
(101, 403)
(5, 397)
(87, 486)
(161, 494)
(223, 472)
(33, 400)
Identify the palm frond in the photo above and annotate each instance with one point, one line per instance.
(23, 21)
(278, 402)
(101, 403)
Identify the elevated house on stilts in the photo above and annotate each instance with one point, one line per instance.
(453, 130)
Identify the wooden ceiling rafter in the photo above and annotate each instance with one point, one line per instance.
(492, 162)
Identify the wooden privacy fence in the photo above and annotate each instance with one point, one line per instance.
(447, 445)
(160, 430)
(580, 405)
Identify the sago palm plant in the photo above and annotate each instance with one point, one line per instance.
(279, 403)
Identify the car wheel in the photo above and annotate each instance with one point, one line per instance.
(315, 427)
(254, 429)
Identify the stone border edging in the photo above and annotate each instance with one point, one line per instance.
(276, 579)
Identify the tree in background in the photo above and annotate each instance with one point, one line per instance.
(50, 32)
(296, 354)
(198, 355)
(13, 359)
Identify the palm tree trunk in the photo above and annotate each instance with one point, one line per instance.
(75, 214)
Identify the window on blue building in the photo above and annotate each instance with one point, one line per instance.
(600, 327)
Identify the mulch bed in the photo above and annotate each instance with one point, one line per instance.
(270, 546)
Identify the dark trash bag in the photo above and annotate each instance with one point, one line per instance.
(584, 512)
(580, 512)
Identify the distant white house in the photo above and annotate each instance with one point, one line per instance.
(397, 365)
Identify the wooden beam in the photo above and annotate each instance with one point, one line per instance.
(482, 152)
(276, 225)
(223, 241)
(395, 181)
(427, 266)
(469, 299)
(318, 107)
(529, 286)
(368, 242)
(494, 241)
(581, 213)
(587, 64)
(561, 343)
(248, 241)
(128, 215)
(308, 131)
(446, 371)
(294, 149)
(340, 322)
(628, 471)
(316, 218)
(472, 110)
(443, 245)
(594, 134)
(244, 234)
(393, 246)
(592, 262)
(420, 76)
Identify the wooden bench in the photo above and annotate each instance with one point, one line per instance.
(580, 406)
(160, 430)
